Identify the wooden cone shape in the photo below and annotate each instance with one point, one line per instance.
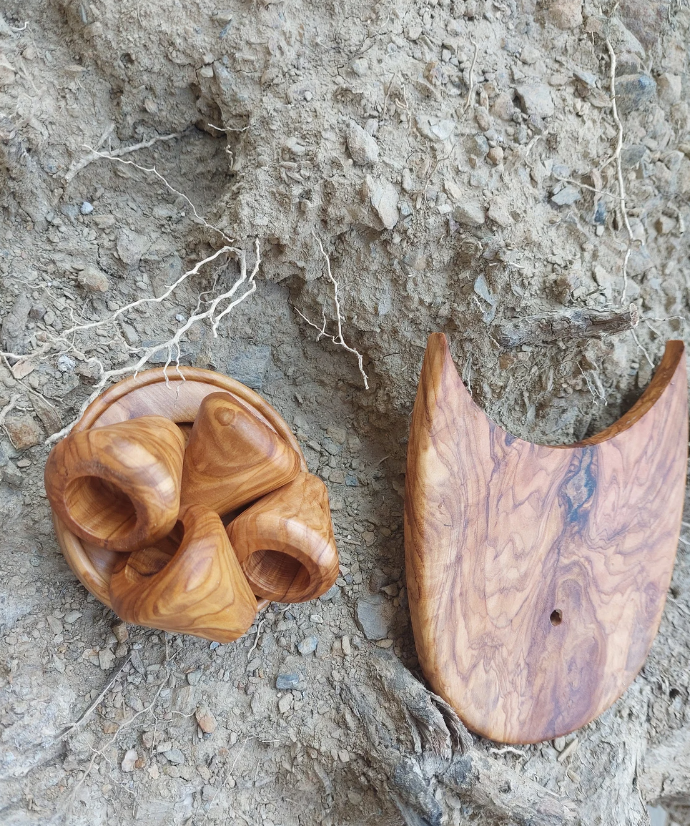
(285, 542)
(232, 457)
(197, 589)
(537, 575)
(118, 486)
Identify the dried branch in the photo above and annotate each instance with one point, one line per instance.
(572, 324)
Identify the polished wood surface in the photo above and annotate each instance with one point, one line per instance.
(93, 566)
(285, 542)
(198, 589)
(232, 458)
(118, 486)
(537, 575)
(177, 394)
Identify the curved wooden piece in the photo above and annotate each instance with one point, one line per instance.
(285, 542)
(232, 458)
(118, 486)
(537, 575)
(199, 589)
(177, 394)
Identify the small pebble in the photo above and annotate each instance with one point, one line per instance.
(347, 648)
(285, 703)
(194, 677)
(206, 720)
(86, 208)
(120, 631)
(72, 617)
(129, 760)
(287, 681)
(308, 646)
(175, 756)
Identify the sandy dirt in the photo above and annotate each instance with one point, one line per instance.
(458, 165)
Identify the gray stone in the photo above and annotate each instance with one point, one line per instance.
(331, 593)
(633, 92)
(130, 334)
(131, 247)
(308, 646)
(248, 364)
(470, 213)
(287, 681)
(66, 364)
(14, 323)
(384, 198)
(632, 155)
(86, 208)
(194, 677)
(361, 145)
(374, 616)
(536, 99)
(566, 196)
(174, 756)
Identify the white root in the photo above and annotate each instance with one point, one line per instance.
(338, 337)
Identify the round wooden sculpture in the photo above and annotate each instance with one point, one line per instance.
(176, 396)
(537, 575)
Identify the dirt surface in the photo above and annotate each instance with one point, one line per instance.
(457, 162)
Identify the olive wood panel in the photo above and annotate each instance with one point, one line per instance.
(537, 575)
(285, 542)
(198, 589)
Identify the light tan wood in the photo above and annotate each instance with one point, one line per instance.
(537, 575)
(199, 589)
(177, 395)
(285, 542)
(119, 486)
(232, 458)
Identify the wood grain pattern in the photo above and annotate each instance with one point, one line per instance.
(177, 395)
(199, 589)
(537, 575)
(118, 486)
(232, 458)
(285, 542)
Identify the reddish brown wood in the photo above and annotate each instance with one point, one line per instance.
(118, 486)
(197, 589)
(285, 542)
(232, 458)
(537, 575)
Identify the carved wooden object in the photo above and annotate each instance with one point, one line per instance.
(118, 486)
(285, 542)
(199, 589)
(232, 458)
(537, 575)
(106, 480)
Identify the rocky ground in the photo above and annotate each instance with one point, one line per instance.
(460, 164)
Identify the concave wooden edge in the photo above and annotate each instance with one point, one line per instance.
(180, 393)
(537, 575)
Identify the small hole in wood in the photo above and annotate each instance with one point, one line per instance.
(556, 617)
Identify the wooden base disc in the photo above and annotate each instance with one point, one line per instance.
(176, 395)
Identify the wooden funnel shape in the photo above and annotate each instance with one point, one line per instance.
(285, 542)
(537, 575)
(118, 487)
(232, 457)
(197, 589)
